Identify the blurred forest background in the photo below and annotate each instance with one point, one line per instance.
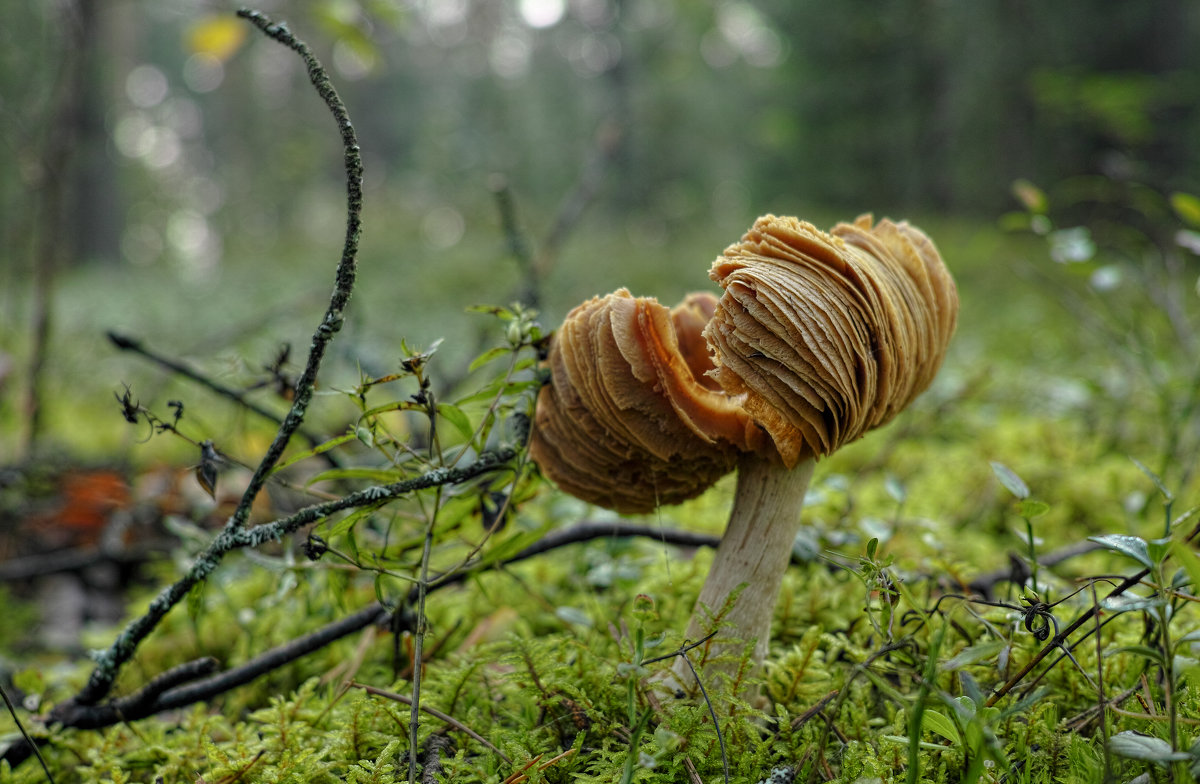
(168, 174)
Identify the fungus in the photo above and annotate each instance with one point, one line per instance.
(818, 338)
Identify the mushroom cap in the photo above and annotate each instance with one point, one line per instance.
(825, 336)
(629, 420)
(818, 338)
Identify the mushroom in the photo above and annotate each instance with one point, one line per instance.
(818, 338)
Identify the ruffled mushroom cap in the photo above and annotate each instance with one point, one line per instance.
(629, 420)
(818, 338)
(828, 335)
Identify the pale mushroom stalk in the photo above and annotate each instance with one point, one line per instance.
(754, 552)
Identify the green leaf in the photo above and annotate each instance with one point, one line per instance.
(1188, 560)
(939, 723)
(1167, 495)
(497, 387)
(1157, 549)
(972, 654)
(455, 416)
(1134, 745)
(488, 356)
(349, 521)
(1187, 207)
(1132, 546)
(1010, 480)
(491, 310)
(1144, 651)
(381, 475)
(1031, 509)
(1127, 603)
(336, 441)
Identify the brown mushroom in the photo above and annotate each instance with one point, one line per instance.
(818, 338)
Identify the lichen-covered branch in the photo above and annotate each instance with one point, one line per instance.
(346, 269)
(109, 662)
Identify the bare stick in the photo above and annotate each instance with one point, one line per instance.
(437, 714)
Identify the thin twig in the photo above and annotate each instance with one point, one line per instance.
(984, 583)
(588, 530)
(518, 244)
(1059, 640)
(347, 266)
(127, 343)
(711, 712)
(805, 717)
(12, 710)
(437, 714)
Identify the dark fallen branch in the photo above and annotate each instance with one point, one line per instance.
(236, 538)
(288, 652)
(172, 691)
(168, 691)
(431, 771)
(27, 567)
(586, 531)
(126, 343)
(1018, 571)
(179, 687)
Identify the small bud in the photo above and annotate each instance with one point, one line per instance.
(315, 547)
(513, 334)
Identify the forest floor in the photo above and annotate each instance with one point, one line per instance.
(1046, 483)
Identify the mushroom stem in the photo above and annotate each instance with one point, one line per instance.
(755, 551)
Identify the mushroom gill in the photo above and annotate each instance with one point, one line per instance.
(629, 421)
(829, 335)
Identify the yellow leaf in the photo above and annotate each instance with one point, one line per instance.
(216, 36)
(1187, 207)
(1031, 196)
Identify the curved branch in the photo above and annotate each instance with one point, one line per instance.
(110, 661)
